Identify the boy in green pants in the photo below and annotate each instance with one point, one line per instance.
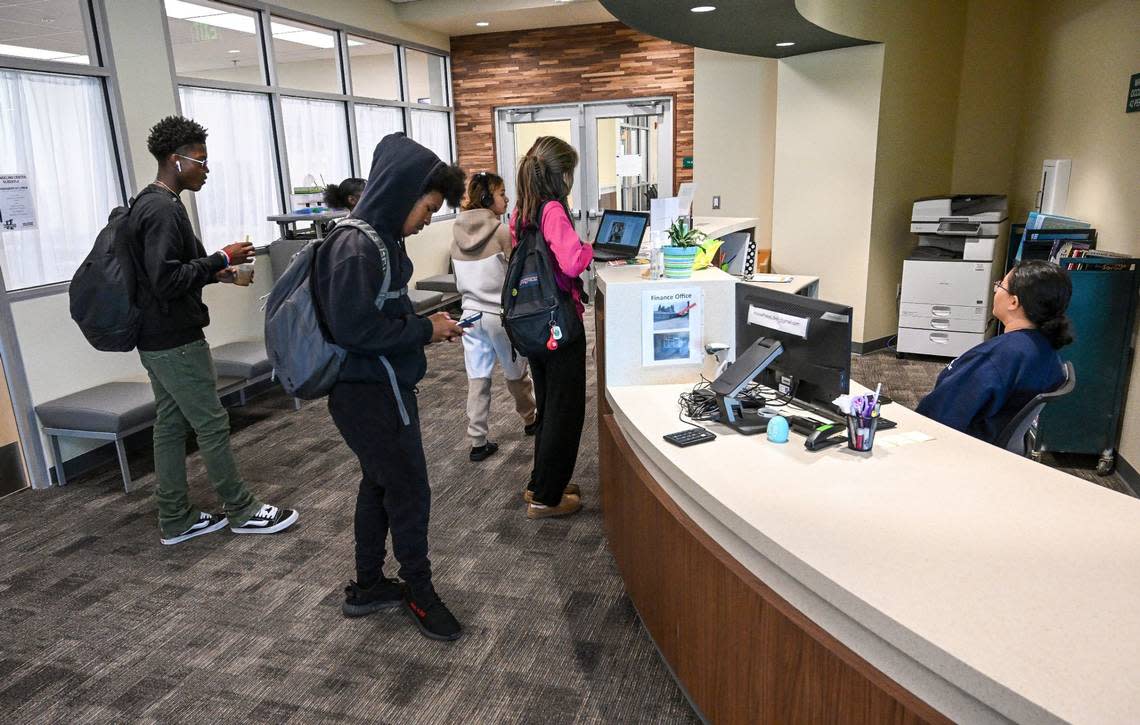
(173, 347)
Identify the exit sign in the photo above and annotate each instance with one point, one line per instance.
(1133, 94)
(687, 161)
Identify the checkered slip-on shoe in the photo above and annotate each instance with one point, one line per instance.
(269, 520)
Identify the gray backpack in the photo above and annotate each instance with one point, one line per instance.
(305, 358)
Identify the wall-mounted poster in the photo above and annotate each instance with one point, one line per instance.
(17, 212)
(671, 326)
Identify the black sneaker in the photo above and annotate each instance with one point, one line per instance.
(384, 594)
(269, 520)
(207, 523)
(530, 428)
(483, 452)
(430, 614)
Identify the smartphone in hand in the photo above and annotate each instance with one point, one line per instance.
(469, 321)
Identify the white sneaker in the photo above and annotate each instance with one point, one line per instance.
(269, 520)
(207, 523)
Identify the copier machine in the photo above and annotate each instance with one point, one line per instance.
(947, 282)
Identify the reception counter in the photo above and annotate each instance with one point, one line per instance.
(944, 580)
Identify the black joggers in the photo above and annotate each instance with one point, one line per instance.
(394, 492)
(560, 389)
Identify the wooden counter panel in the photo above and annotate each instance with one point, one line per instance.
(740, 650)
(600, 352)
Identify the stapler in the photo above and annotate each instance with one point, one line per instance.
(825, 436)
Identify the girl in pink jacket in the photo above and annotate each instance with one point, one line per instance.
(545, 177)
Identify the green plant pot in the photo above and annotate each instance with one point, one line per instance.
(679, 262)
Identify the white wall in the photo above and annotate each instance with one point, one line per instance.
(734, 136)
(827, 123)
(430, 250)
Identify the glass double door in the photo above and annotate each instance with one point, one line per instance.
(625, 152)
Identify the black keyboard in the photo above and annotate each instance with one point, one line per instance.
(690, 437)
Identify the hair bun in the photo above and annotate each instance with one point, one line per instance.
(1058, 331)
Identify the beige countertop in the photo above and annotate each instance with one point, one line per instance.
(991, 586)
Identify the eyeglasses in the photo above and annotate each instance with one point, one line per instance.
(998, 285)
(200, 162)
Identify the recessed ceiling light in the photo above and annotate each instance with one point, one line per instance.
(233, 51)
(702, 9)
(482, 24)
(784, 45)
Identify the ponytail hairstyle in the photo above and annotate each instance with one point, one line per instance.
(481, 190)
(336, 195)
(1043, 290)
(544, 175)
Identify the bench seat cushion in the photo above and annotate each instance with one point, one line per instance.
(444, 283)
(107, 408)
(423, 300)
(244, 359)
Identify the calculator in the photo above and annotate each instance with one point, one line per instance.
(690, 437)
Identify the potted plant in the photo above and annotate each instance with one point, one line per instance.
(681, 251)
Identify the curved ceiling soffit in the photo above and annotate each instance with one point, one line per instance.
(747, 27)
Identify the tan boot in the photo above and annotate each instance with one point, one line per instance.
(571, 488)
(568, 505)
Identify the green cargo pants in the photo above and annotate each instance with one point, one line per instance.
(186, 396)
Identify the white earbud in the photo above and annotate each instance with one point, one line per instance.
(178, 165)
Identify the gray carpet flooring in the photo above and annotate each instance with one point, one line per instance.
(100, 623)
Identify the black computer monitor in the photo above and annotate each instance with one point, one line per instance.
(620, 232)
(816, 357)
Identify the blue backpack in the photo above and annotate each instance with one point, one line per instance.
(304, 356)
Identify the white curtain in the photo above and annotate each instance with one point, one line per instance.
(242, 189)
(372, 124)
(55, 128)
(433, 129)
(316, 140)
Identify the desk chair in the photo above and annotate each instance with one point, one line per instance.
(1018, 435)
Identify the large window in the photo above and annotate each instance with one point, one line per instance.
(316, 135)
(372, 124)
(312, 98)
(55, 30)
(305, 57)
(433, 129)
(215, 41)
(61, 175)
(427, 78)
(243, 188)
(375, 68)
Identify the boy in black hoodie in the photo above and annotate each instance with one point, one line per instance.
(374, 401)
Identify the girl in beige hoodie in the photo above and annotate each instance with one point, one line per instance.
(479, 254)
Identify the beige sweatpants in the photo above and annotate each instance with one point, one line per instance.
(484, 344)
(479, 405)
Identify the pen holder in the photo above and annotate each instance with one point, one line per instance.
(861, 432)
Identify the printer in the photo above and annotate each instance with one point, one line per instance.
(947, 281)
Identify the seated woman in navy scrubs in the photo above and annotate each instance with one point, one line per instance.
(980, 391)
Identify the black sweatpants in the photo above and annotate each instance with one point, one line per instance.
(560, 390)
(394, 492)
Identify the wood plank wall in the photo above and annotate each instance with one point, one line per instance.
(597, 62)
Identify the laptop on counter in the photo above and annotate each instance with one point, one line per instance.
(619, 234)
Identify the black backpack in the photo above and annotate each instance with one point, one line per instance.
(103, 292)
(537, 315)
